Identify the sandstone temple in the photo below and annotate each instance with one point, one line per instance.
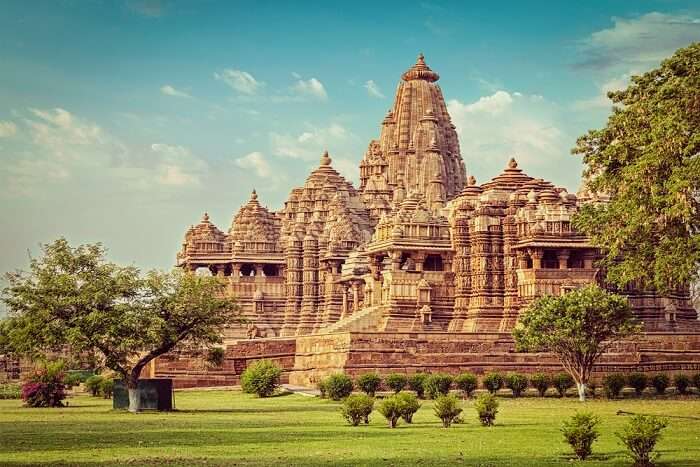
(418, 268)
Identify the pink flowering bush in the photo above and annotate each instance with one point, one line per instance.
(45, 386)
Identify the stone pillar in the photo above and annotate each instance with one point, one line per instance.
(563, 256)
(344, 312)
(522, 259)
(536, 254)
(355, 296)
(588, 260)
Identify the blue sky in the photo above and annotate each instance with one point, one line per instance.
(122, 121)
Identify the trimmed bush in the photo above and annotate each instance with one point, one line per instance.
(516, 383)
(261, 378)
(541, 382)
(660, 383)
(10, 391)
(107, 388)
(493, 382)
(638, 381)
(409, 405)
(396, 382)
(416, 383)
(338, 386)
(45, 387)
(682, 382)
(369, 383)
(467, 383)
(390, 408)
(696, 381)
(486, 406)
(71, 380)
(447, 409)
(613, 385)
(580, 432)
(321, 385)
(92, 384)
(562, 382)
(215, 357)
(437, 384)
(640, 436)
(356, 408)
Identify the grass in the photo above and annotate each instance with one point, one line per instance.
(230, 428)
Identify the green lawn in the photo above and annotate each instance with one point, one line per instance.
(217, 428)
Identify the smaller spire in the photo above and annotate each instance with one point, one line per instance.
(205, 218)
(512, 163)
(472, 180)
(325, 159)
(254, 195)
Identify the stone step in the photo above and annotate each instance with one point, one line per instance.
(366, 319)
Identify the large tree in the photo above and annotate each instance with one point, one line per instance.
(647, 160)
(577, 327)
(72, 298)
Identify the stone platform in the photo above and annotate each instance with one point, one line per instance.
(307, 359)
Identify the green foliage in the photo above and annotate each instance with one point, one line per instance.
(517, 383)
(416, 382)
(321, 385)
(493, 382)
(613, 385)
(215, 357)
(660, 383)
(107, 388)
(696, 381)
(396, 382)
(562, 382)
(681, 381)
(467, 383)
(262, 378)
(541, 382)
(638, 381)
(640, 436)
(338, 386)
(447, 409)
(390, 408)
(10, 391)
(44, 387)
(72, 297)
(71, 380)
(580, 431)
(369, 383)
(486, 406)
(92, 384)
(356, 408)
(409, 405)
(645, 159)
(437, 384)
(577, 327)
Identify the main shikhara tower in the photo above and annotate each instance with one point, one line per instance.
(417, 247)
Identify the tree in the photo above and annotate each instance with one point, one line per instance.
(72, 298)
(577, 327)
(647, 161)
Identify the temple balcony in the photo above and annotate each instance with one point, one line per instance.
(550, 281)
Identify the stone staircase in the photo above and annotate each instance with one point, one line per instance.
(367, 319)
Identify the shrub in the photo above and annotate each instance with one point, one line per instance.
(338, 386)
(681, 381)
(409, 405)
(467, 383)
(696, 381)
(437, 384)
(516, 383)
(107, 388)
(261, 378)
(613, 384)
(396, 382)
(322, 388)
(92, 384)
(541, 382)
(390, 408)
(592, 386)
(356, 408)
(45, 387)
(486, 406)
(447, 409)
(580, 432)
(215, 357)
(660, 383)
(562, 382)
(71, 380)
(369, 383)
(10, 391)
(493, 382)
(640, 436)
(638, 381)
(416, 383)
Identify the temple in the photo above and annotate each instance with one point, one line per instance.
(418, 254)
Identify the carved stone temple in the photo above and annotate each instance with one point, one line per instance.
(420, 268)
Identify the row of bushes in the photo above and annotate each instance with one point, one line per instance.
(10, 391)
(98, 386)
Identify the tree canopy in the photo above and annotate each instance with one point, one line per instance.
(577, 327)
(647, 160)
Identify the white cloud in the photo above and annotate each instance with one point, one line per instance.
(310, 143)
(7, 129)
(240, 81)
(168, 90)
(373, 90)
(601, 100)
(311, 88)
(257, 162)
(176, 166)
(493, 104)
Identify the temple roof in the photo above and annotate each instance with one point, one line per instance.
(420, 71)
(253, 226)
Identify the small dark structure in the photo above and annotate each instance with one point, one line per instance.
(156, 394)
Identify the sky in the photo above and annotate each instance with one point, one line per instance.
(122, 121)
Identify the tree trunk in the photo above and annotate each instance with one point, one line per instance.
(581, 391)
(132, 385)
